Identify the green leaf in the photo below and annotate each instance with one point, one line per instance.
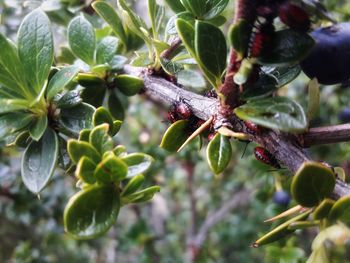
(196, 7)
(120, 151)
(11, 105)
(102, 116)
(129, 85)
(171, 67)
(239, 36)
(85, 170)
(191, 79)
(287, 47)
(323, 209)
(78, 149)
(142, 196)
(77, 118)
(211, 49)
(314, 99)
(312, 183)
(92, 211)
(137, 163)
(68, 100)
(106, 11)
(111, 169)
(116, 127)
(340, 210)
(60, 80)
(13, 122)
(133, 185)
(100, 139)
(115, 107)
(279, 113)
(175, 5)
(214, 8)
(117, 62)
(142, 59)
(219, 153)
(84, 135)
(35, 49)
(106, 49)
(39, 161)
(263, 87)
(38, 128)
(175, 136)
(11, 69)
(82, 39)
(156, 14)
(284, 75)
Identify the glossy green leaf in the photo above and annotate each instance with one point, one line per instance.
(120, 151)
(312, 183)
(245, 70)
(170, 28)
(175, 5)
(39, 161)
(211, 49)
(116, 127)
(106, 11)
(341, 210)
(82, 39)
(11, 69)
(175, 136)
(106, 49)
(13, 122)
(11, 105)
(35, 49)
(117, 62)
(60, 80)
(92, 211)
(323, 209)
(142, 59)
(90, 80)
(100, 139)
(171, 67)
(133, 185)
(219, 153)
(288, 47)
(314, 99)
(111, 169)
(214, 8)
(68, 100)
(85, 170)
(137, 163)
(129, 85)
(279, 113)
(77, 118)
(38, 128)
(84, 135)
(78, 149)
(239, 36)
(23, 140)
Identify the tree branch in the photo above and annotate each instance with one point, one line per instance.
(326, 135)
(285, 147)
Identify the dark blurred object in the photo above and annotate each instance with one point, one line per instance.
(344, 115)
(281, 198)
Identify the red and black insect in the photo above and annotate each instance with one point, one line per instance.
(211, 136)
(179, 111)
(264, 156)
(252, 128)
(211, 94)
(294, 16)
(261, 39)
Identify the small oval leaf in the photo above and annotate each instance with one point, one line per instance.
(137, 163)
(39, 161)
(111, 169)
(175, 136)
(341, 210)
(219, 153)
(129, 85)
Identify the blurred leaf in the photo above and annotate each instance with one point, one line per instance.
(92, 211)
(85, 170)
(39, 161)
(279, 113)
(116, 107)
(82, 39)
(35, 49)
(314, 99)
(263, 87)
(191, 79)
(68, 100)
(102, 116)
(156, 14)
(171, 67)
(133, 185)
(340, 210)
(284, 75)
(142, 196)
(312, 183)
(38, 128)
(322, 210)
(117, 62)
(100, 139)
(219, 153)
(175, 5)
(239, 35)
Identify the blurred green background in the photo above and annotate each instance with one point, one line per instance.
(31, 229)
